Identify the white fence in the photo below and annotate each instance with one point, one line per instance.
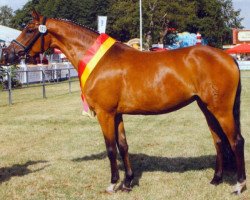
(53, 72)
(244, 65)
(42, 75)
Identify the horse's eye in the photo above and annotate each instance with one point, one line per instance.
(30, 31)
(23, 25)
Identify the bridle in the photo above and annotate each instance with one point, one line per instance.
(42, 31)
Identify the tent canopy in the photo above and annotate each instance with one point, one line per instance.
(8, 34)
(242, 48)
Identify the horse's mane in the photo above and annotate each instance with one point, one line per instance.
(77, 24)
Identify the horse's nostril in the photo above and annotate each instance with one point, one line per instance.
(5, 56)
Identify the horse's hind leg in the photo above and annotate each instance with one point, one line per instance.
(123, 149)
(223, 122)
(232, 131)
(107, 122)
(215, 131)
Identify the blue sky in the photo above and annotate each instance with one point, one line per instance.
(244, 5)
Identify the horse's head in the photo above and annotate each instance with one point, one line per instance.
(33, 39)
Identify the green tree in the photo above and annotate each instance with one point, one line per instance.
(157, 17)
(81, 11)
(231, 20)
(174, 14)
(22, 16)
(123, 19)
(214, 19)
(6, 13)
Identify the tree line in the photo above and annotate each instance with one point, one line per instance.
(214, 19)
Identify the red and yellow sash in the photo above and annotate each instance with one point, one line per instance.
(92, 56)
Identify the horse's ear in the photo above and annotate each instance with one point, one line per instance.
(35, 15)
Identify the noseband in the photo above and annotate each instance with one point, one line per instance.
(42, 30)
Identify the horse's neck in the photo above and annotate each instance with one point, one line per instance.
(71, 39)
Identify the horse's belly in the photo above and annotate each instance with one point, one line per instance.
(153, 102)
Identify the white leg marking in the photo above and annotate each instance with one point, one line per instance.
(111, 189)
(239, 187)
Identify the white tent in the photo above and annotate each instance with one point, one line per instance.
(8, 34)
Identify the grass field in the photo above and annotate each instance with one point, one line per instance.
(49, 151)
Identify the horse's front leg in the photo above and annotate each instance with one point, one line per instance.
(123, 149)
(107, 122)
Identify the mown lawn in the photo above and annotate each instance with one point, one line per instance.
(49, 151)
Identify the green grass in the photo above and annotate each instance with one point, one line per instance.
(35, 91)
(49, 151)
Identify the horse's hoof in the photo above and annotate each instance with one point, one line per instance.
(216, 180)
(126, 189)
(111, 189)
(240, 187)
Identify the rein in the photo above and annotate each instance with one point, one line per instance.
(42, 30)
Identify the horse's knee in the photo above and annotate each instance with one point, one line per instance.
(237, 144)
(218, 145)
(111, 153)
(240, 141)
(123, 148)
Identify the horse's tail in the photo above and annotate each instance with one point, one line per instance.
(228, 155)
(236, 108)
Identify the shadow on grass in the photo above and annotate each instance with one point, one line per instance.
(147, 163)
(19, 170)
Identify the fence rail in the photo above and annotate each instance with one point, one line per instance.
(36, 78)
